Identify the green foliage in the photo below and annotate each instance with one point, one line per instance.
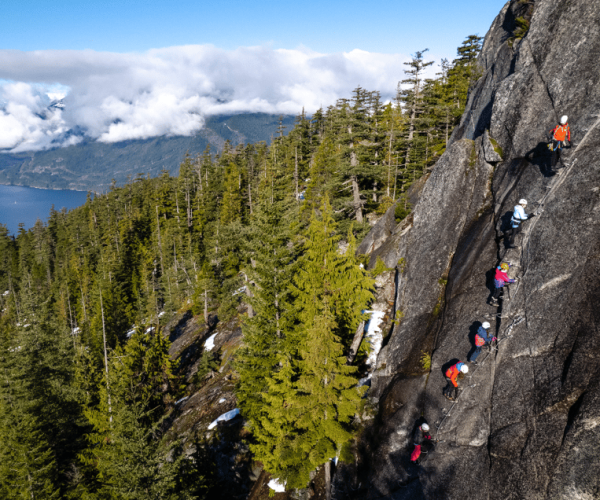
(209, 362)
(473, 157)
(309, 398)
(497, 147)
(425, 361)
(384, 205)
(403, 209)
(401, 265)
(522, 27)
(379, 268)
(398, 318)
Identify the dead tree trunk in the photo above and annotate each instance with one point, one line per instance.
(358, 336)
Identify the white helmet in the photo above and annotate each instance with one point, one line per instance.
(464, 369)
(486, 325)
(424, 427)
(564, 120)
(522, 201)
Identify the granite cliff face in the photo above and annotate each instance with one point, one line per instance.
(527, 422)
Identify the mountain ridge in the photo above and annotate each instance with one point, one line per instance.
(91, 165)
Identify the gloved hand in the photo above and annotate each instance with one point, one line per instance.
(531, 216)
(494, 339)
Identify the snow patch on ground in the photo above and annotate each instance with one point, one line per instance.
(209, 345)
(224, 418)
(130, 332)
(275, 485)
(161, 314)
(240, 290)
(151, 329)
(181, 400)
(222, 400)
(374, 335)
(75, 331)
(6, 293)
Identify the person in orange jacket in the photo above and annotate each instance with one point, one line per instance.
(561, 137)
(452, 374)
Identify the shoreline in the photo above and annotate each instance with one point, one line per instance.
(95, 193)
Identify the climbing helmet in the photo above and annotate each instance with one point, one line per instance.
(424, 427)
(504, 266)
(464, 369)
(523, 201)
(486, 325)
(564, 120)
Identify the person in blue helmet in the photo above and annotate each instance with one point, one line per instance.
(452, 374)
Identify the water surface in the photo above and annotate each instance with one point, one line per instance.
(25, 204)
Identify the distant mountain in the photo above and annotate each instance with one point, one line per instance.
(92, 165)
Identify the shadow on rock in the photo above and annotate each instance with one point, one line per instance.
(192, 352)
(179, 328)
(489, 282)
(543, 158)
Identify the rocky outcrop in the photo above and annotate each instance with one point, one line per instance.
(527, 422)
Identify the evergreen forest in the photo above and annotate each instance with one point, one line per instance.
(264, 235)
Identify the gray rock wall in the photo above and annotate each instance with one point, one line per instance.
(527, 422)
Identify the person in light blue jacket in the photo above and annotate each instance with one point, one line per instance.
(519, 216)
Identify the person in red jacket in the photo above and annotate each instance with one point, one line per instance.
(500, 280)
(561, 137)
(452, 374)
(421, 440)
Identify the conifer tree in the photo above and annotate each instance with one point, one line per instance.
(323, 271)
(325, 400)
(412, 98)
(269, 271)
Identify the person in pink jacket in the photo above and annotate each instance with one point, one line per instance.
(500, 280)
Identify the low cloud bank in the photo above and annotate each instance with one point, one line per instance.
(113, 97)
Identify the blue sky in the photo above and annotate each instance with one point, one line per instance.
(325, 26)
(134, 70)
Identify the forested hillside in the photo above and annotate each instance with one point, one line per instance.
(262, 234)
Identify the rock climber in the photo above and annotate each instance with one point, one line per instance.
(500, 280)
(519, 216)
(452, 374)
(421, 440)
(482, 338)
(560, 138)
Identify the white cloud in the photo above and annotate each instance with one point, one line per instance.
(114, 97)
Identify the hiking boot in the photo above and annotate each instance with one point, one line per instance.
(474, 362)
